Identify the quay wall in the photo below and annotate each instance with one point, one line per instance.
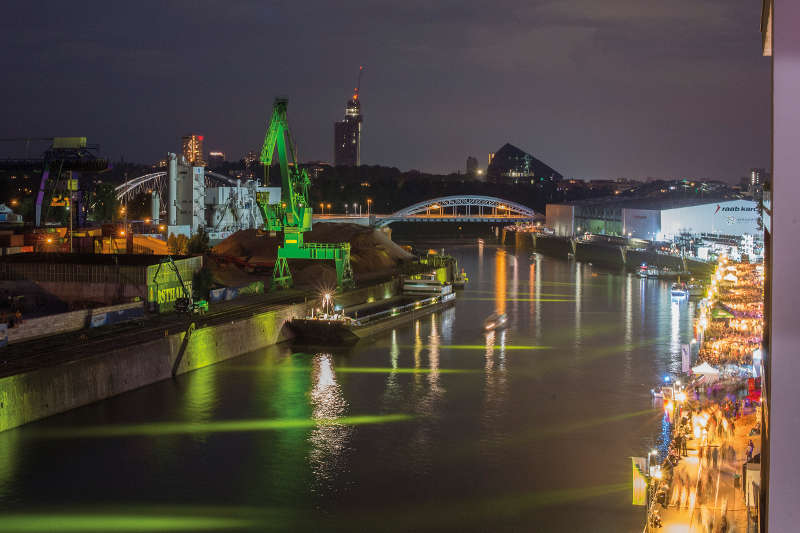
(601, 254)
(609, 255)
(554, 246)
(54, 389)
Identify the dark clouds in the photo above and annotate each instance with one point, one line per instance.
(594, 88)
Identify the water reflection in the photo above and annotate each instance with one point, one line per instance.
(447, 320)
(393, 394)
(201, 396)
(532, 294)
(675, 329)
(628, 309)
(427, 393)
(328, 441)
(494, 405)
(628, 324)
(436, 391)
(480, 259)
(538, 297)
(514, 288)
(500, 281)
(9, 446)
(578, 298)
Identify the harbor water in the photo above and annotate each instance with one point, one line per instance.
(436, 425)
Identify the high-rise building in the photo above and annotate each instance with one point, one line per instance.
(347, 135)
(250, 158)
(472, 166)
(192, 149)
(756, 176)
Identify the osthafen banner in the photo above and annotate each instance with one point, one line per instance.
(639, 480)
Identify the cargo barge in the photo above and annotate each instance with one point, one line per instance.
(348, 328)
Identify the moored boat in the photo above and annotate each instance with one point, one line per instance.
(427, 284)
(679, 290)
(345, 328)
(461, 280)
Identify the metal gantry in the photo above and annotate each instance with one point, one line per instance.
(293, 215)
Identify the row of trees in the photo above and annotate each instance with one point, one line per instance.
(183, 245)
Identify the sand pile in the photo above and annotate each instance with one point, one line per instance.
(372, 252)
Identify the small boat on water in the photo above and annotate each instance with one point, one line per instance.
(679, 290)
(495, 321)
(461, 280)
(426, 284)
(696, 289)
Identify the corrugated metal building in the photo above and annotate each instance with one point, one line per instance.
(654, 220)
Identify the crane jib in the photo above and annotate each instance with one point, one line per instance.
(293, 214)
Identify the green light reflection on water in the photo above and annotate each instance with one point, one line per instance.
(480, 299)
(433, 515)
(34, 523)
(586, 424)
(483, 347)
(366, 370)
(378, 370)
(223, 426)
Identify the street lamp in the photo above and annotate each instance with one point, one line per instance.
(369, 204)
(650, 454)
(322, 208)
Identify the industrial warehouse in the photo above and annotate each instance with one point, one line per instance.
(655, 220)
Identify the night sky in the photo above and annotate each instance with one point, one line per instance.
(594, 88)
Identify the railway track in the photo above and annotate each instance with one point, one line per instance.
(77, 345)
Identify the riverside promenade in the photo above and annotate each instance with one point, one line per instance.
(710, 493)
(716, 419)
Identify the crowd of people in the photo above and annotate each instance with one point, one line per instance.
(734, 339)
(706, 419)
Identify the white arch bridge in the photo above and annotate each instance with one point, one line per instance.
(157, 181)
(461, 208)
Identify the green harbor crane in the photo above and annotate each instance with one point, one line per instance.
(293, 215)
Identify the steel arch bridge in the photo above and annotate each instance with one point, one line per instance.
(462, 208)
(157, 181)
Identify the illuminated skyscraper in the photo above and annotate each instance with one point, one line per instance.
(347, 133)
(192, 149)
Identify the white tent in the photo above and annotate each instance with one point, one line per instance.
(705, 369)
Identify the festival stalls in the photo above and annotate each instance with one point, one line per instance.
(705, 369)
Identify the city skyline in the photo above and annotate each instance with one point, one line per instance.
(579, 87)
